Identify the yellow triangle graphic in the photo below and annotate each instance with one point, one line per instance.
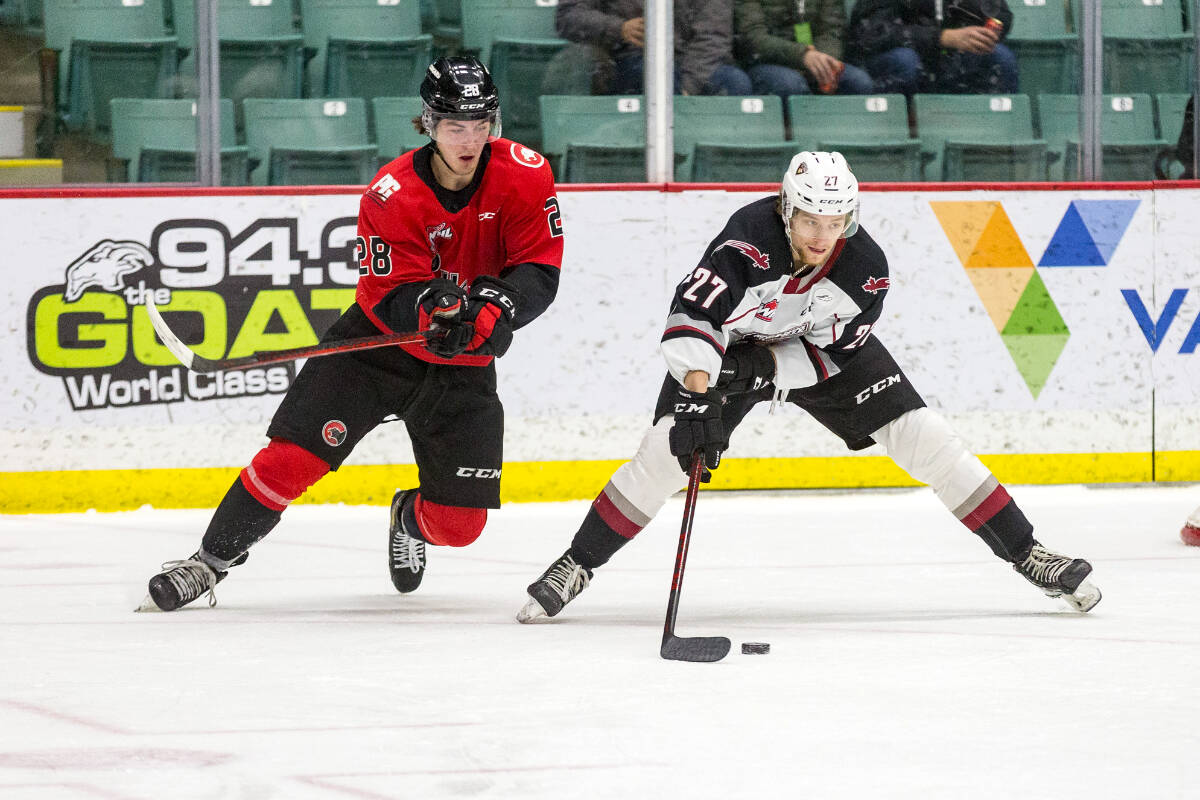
(1000, 290)
(999, 246)
(964, 223)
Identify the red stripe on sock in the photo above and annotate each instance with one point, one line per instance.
(614, 519)
(983, 512)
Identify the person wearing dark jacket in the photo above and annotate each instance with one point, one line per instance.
(944, 46)
(703, 42)
(795, 47)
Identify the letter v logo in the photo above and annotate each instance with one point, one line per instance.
(1154, 331)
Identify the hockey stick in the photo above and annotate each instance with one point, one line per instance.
(695, 648)
(198, 363)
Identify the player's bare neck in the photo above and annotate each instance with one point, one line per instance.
(799, 268)
(448, 178)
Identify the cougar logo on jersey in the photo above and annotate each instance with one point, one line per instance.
(525, 156)
(757, 257)
(334, 432)
(876, 388)
(766, 312)
(477, 472)
(105, 265)
(875, 285)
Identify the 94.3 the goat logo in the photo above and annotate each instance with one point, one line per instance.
(225, 295)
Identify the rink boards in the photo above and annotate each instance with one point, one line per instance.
(1056, 328)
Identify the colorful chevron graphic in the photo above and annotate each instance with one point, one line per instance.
(1006, 280)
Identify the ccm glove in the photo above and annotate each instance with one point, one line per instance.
(490, 308)
(441, 310)
(746, 367)
(698, 426)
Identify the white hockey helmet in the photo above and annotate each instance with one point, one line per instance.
(821, 184)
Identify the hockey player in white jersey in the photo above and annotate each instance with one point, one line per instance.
(781, 307)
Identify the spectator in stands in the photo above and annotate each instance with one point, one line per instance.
(943, 46)
(795, 47)
(703, 42)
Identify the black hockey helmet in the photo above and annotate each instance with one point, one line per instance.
(458, 87)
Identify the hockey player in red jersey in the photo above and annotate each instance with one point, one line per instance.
(462, 240)
(785, 312)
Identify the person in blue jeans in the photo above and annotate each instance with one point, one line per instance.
(795, 47)
(947, 47)
(703, 43)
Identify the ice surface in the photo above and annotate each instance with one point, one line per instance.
(906, 661)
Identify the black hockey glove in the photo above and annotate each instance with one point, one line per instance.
(491, 307)
(440, 311)
(698, 426)
(746, 367)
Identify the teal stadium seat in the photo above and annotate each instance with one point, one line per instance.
(733, 127)
(1046, 47)
(155, 141)
(979, 137)
(1169, 111)
(448, 23)
(364, 48)
(595, 139)
(1127, 137)
(309, 142)
(1146, 49)
(107, 49)
(260, 50)
(517, 40)
(871, 131)
(394, 131)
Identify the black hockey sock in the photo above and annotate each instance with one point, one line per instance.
(237, 524)
(1008, 533)
(595, 542)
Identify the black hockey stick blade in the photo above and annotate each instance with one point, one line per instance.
(694, 648)
(198, 363)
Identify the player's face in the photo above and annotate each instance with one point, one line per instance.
(461, 142)
(813, 237)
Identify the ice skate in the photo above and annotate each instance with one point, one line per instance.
(406, 554)
(1190, 532)
(1059, 576)
(559, 585)
(181, 582)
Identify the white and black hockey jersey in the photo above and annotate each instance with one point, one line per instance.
(743, 289)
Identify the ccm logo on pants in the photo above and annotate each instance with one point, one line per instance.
(477, 472)
(875, 388)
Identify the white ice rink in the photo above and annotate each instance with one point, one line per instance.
(906, 661)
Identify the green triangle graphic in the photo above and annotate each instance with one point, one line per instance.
(1035, 312)
(1035, 356)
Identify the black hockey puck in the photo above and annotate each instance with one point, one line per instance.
(755, 648)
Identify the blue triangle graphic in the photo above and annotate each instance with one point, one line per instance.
(1106, 220)
(1072, 245)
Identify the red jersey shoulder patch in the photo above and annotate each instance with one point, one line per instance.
(526, 156)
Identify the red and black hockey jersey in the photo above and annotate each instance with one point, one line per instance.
(744, 288)
(411, 230)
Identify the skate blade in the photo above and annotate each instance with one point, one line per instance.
(532, 611)
(1085, 598)
(147, 605)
